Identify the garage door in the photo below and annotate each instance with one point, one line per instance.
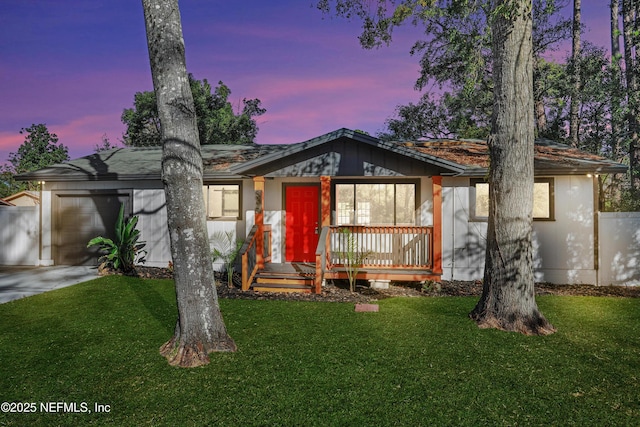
(78, 218)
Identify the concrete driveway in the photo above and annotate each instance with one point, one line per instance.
(20, 282)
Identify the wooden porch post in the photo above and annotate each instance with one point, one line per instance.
(325, 221)
(258, 186)
(436, 183)
(325, 196)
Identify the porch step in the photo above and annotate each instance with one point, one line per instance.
(281, 287)
(284, 279)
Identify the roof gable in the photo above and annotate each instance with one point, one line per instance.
(346, 153)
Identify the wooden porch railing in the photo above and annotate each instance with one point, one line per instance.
(248, 254)
(387, 246)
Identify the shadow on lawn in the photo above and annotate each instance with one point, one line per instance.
(157, 305)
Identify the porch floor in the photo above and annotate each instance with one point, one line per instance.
(300, 268)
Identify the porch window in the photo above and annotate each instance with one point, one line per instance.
(543, 199)
(376, 204)
(222, 200)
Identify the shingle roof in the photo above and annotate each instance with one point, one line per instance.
(550, 157)
(458, 157)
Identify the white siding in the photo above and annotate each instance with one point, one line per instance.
(19, 235)
(150, 207)
(619, 248)
(563, 248)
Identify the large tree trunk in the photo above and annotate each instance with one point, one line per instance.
(508, 296)
(629, 21)
(574, 118)
(200, 328)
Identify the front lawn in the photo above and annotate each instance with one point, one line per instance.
(418, 361)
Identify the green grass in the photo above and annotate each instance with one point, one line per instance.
(417, 362)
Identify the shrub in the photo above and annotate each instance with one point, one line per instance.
(353, 256)
(124, 251)
(226, 248)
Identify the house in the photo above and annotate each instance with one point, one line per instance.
(23, 198)
(419, 209)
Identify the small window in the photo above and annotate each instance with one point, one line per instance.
(222, 200)
(543, 199)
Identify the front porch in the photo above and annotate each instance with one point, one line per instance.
(389, 252)
(404, 253)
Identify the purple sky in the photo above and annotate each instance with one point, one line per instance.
(76, 64)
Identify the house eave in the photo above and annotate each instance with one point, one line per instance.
(559, 171)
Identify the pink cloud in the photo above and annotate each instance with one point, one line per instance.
(80, 135)
(9, 143)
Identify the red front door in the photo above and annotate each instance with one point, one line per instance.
(302, 210)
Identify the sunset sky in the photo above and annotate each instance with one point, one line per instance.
(76, 64)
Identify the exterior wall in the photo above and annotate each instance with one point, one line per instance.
(149, 205)
(46, 224)
(19, 235)
(563, 248)
(463, 241)
(619, 236)
(424, 212)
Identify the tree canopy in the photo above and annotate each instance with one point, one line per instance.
(217, 121)
(458, 58)
(39, 149)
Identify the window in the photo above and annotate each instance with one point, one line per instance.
(543, 199)
(377, 203)
(222, 201)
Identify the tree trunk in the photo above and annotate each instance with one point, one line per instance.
(541, 117)
(616, 102)
(615, 30)
(200, 328)
(628, 19)
(574, 118)
(508, 295)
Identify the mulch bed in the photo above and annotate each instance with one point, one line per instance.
(338, 291)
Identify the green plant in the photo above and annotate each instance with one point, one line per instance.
(353, 256)
(431, 286)
(124, 251)
(226, 248)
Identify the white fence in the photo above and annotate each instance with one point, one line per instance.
(619, 248)
(19, 235)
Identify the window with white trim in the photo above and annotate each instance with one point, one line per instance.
(222, 200)
(543, 199)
